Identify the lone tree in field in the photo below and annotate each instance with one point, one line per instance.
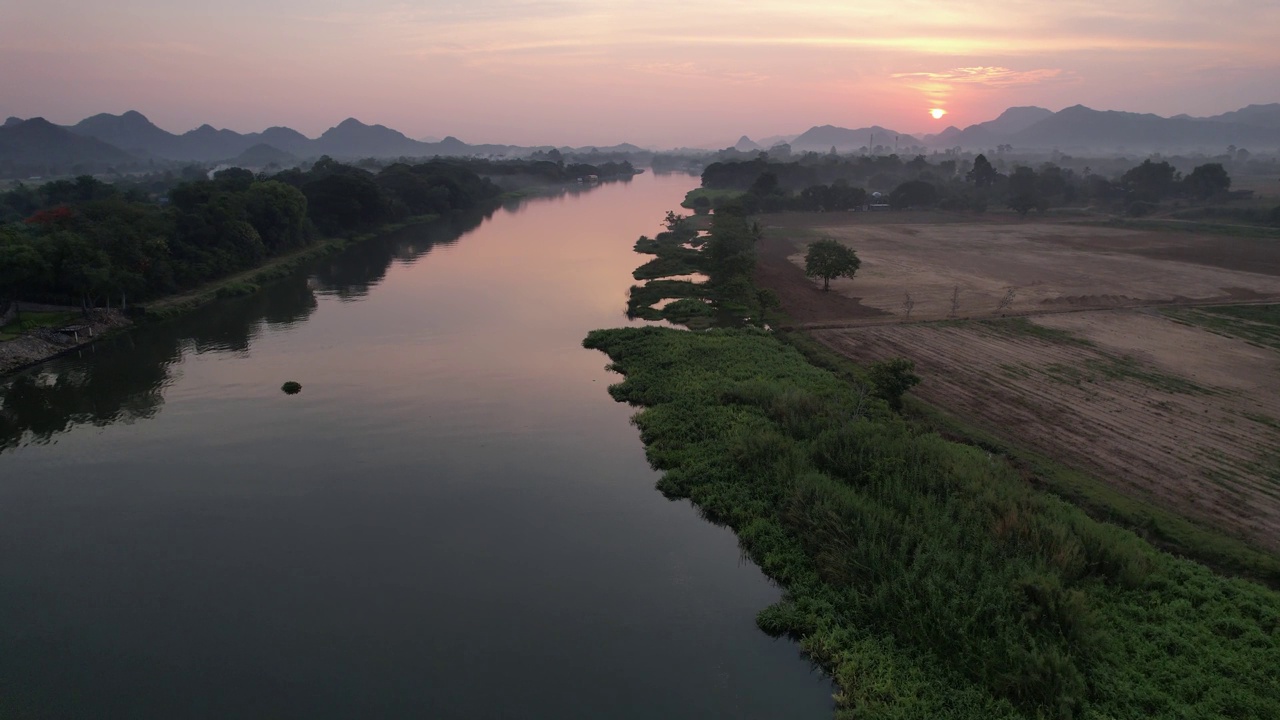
(829, 259)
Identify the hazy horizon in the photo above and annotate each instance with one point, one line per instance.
(602, 73)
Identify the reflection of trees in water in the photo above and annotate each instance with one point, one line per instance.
(119, 381)
(122, 379)
(351, 274)
(231, 325)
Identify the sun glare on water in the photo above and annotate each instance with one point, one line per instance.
(937, 113)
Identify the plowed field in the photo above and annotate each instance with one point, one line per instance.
(1089, 372)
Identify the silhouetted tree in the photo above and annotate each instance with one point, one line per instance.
(983, 174)
(913, 193)
(1207, 180)
(1149, 182)
(1024, 191)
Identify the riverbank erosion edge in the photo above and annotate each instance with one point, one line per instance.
(926, 576)
(44, 343)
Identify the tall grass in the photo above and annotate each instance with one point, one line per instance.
(925, 575)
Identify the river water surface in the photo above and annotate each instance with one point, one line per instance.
(452, 520)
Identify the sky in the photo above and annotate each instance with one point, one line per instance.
(658, 72)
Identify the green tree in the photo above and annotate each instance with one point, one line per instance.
(829, 259)
(1024, 191)
(1149, 182)
(21, 265)
(768, 300)
(891, 379)
(279, 213)
(913, 193)
(765, 184)
(1207, 180)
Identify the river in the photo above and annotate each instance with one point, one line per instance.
(452, 520)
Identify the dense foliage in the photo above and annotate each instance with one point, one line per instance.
(829, 259)
(549, 168)
(88, 242)
(833, 182)
(929, 578)
(725, 256)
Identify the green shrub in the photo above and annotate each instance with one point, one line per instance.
(927, 576)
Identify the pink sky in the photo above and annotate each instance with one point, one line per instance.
(657, 72)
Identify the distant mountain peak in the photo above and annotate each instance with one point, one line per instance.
(11, 121)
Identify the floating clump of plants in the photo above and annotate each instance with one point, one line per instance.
(291, 388)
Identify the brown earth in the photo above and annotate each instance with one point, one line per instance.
(1092, 376)
(1036, 266)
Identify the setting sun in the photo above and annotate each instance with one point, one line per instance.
(937, 113)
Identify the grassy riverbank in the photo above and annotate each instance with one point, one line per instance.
(249, 281)
(33, 320)
(926, 575)
(238, 284)
(1102, 501)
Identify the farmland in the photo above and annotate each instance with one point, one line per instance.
(1144, 358)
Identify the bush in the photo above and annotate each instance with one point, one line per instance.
(291, 388)
(1138, 209)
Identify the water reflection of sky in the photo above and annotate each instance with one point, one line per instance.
(451, 501)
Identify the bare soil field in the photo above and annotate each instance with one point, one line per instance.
(968, 269)
(1185, 417)
(1083, 369)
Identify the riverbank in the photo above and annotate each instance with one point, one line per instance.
(416, 426)
(927, 576)
(45, 343)
(37, 346)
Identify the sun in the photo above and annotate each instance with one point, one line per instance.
(937, 113)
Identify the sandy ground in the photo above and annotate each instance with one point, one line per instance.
(1176, 414)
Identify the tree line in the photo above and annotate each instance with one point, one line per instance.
(86, 242)
(830, 182)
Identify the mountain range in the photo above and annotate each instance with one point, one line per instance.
(1079, 127)
(1073, 128)
(131, 140)
(350, 139)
